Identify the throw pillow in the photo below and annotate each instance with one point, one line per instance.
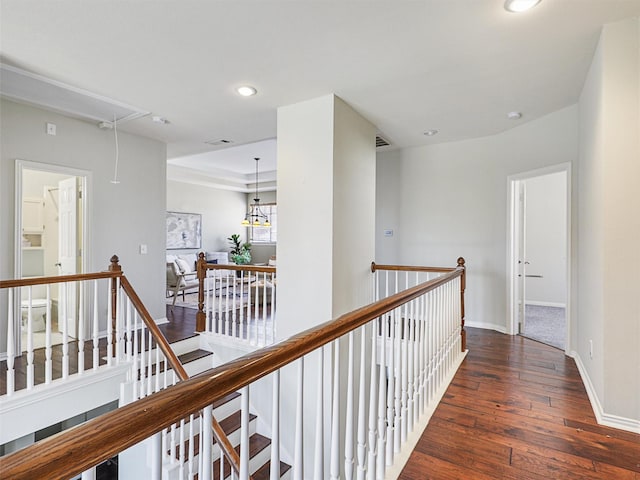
(183, 265)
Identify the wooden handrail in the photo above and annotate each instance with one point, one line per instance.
(411, 268)
(74, 451)
(25, 282)
(240, 268)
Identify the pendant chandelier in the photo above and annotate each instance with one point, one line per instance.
(255, 217)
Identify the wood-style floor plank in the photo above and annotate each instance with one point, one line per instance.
(517, 409)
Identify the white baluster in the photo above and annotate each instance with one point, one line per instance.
(109, 325)
(264, 308)
(404, 380)
(181, 449)
(410, 364)
(318, 465)
(48, 361)
(273, 307)
(362, 408)
(156, 456)
(390, 390)
(30, 356)
(207, 443)
(191, 446)
(129, 331)
(349, 440)
(298, 462)
(96, 339)
(244, 434)
(382, 400)
(274, 474)
(429, 349)
(89, 474)
(158, 363)
(334, 466)
(421, 355)
(65, 321)
(81, 328)
(136, 358)
(143, 363)
(149, 364)
(119, 324)
(373, 406)
(11, 374)
(397, 407)
(173, 450)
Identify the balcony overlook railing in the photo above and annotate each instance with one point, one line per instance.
(237, 301)
(380, 367)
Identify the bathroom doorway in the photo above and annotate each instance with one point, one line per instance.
(50, 241)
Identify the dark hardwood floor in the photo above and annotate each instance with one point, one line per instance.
(517, 409)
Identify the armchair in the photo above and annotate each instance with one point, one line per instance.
(178, 281)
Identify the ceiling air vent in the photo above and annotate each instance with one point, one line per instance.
(381, 141)
(33, 89)
(221, 141)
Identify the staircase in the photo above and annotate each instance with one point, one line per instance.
(195, 360)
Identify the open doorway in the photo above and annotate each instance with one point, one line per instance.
(50, 241)
(539, 253)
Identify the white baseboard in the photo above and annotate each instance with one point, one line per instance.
(603, 418)
(545, 304)
(486, 326)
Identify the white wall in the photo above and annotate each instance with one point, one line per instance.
(221, 210)
(121, 216)
(609, 226)
(450, 200)
(546, 239)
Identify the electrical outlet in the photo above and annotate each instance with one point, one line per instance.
(388, 233)
(143, 249)
(591, 349)
(51, 128)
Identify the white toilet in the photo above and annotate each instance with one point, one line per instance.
(38, 308)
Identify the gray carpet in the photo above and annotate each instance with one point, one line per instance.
(546, 325)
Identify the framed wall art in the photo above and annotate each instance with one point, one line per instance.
(184, 230)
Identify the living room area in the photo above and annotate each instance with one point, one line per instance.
(208, 197)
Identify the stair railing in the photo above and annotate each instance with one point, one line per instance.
(178, 369)
(237, 301)
(78, 350)
(390, 279)
(423, 338)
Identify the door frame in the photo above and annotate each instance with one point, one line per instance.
(85, 184)
(513, 220)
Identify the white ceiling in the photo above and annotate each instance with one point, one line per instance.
(458, 66)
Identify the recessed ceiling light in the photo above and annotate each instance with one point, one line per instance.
(517, 6)
(246, 91)
(431, 133)
(514, 115)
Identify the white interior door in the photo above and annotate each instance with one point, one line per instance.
(68, 253)
(521, 267)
